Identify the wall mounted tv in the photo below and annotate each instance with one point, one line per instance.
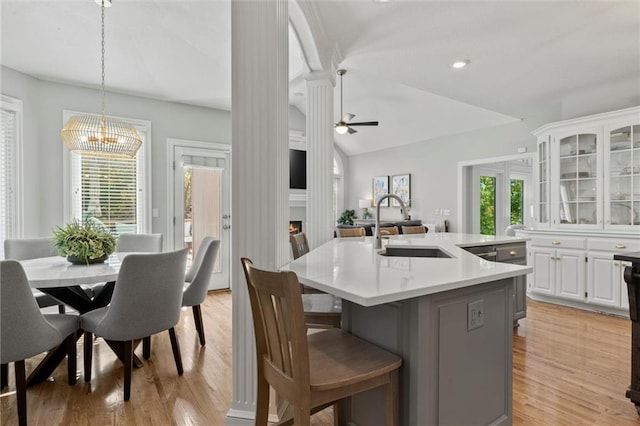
(297, 169)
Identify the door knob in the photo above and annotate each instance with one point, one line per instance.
(226, 216)
(226, 226)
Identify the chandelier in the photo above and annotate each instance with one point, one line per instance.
(100, 135)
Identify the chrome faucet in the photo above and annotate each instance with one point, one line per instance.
(403, 209)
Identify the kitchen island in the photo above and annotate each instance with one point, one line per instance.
(449, 317)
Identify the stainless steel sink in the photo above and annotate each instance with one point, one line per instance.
(414, 252)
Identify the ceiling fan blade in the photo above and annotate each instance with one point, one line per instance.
(365, 123)
(347, 117)
(351, 131)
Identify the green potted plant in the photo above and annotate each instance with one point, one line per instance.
(83, 243)
(346, 217)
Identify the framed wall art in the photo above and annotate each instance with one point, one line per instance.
(401, 186)
(380, 188)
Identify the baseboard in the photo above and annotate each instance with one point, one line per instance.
(578, 305)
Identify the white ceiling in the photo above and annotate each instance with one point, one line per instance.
(527, 57)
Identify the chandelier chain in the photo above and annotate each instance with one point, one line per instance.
(102, 58)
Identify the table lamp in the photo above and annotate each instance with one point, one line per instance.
(364, 205)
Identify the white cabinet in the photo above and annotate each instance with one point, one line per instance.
(558, 267)
(542, 191)
(588, 173)
(580, 267)
(570, 270)
(622, 180)
(606, 284)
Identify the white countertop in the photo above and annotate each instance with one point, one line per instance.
(460, 240)
(353, 270)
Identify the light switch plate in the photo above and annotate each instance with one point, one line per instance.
(475, 315)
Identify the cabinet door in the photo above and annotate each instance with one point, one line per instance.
(622, 177)
(604, 280)
(520, 298)
(543, 271)
(570, 270)
(542, 191)
(578, 188)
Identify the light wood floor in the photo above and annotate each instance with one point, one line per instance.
(570, 367)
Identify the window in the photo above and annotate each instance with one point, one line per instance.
(10, 149)
(488, 205)
(112, 192)
(517, 202)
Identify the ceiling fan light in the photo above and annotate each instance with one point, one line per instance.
(341, 128)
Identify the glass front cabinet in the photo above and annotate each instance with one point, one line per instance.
(588, 172)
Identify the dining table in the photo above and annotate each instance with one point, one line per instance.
(63, 280)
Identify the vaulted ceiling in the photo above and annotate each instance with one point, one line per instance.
(527, 57)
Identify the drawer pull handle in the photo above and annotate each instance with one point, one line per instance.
(620, 245)
(513, 252)
(555, 242)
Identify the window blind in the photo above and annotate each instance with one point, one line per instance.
(8, 172)
(110, 191)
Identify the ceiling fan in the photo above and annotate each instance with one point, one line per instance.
(344, 125)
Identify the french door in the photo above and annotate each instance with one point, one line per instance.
(201, 204)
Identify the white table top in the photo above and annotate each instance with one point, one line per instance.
(353, 270)
(55, 271)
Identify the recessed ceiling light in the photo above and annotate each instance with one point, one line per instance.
(460, 64)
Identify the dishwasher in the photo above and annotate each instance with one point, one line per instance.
(486, 252)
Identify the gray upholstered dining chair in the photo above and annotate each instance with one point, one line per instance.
(146, 300)
(25, 332)
(197, 281)
(33, 248)
(134, 243)
(141, 243)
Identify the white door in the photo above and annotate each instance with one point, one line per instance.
(202, 204)
(488, 202)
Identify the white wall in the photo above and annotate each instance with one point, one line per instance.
(433, 168)
(43, 103)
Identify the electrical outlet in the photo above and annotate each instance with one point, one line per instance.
(446, 212)
(437, 212)
(475, 314)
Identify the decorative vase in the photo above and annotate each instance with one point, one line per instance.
(83, 261)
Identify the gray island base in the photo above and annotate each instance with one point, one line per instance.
(450, 375)
(450, 317)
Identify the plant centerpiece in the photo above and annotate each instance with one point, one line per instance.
(83, 243)
(346, 217)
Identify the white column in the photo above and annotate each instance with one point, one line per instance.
(260, 165)
(320, 222)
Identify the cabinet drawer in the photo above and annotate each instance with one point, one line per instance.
(559, 242)
(618, 245)
(507, 253)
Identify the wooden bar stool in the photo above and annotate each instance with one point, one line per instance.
(316, 371)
